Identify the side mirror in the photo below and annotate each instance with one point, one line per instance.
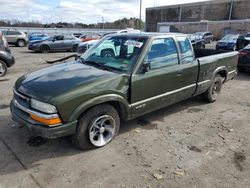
(146, 67)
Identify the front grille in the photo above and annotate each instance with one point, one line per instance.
(21, 99)
(222, 44)
(81, 49)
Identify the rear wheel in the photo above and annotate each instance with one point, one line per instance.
(214, 89)
(74, 48)
(97, 127)
(21, 43)
(3, 68)
(44, 49)
(107, 53)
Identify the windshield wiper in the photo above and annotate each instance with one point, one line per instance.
(95, 64)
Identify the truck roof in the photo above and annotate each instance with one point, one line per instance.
(149, 34)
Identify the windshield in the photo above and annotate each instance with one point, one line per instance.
(195, 37)
(230, 38)
(200, 34)
(116, 52)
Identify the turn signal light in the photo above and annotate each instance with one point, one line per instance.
(49, 122)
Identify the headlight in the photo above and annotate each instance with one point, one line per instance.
(42, 106)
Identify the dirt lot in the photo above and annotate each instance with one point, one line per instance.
(190, 144)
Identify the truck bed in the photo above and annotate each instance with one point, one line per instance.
(213, 61)
(208, 52)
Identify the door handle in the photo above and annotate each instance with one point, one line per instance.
(179, 73)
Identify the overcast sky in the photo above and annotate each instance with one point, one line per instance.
(86, 11)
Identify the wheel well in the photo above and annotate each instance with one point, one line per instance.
(44, 45)
(108, 49)
(3, 61)
(120, 108)
(223, 74)
(20, 40)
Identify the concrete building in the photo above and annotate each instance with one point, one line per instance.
(218, 16)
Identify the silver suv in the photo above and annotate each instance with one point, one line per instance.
(17, 38)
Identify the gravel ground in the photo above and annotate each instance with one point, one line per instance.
(207, 147)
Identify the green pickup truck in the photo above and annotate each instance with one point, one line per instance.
(140, 73)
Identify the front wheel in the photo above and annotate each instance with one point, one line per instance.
(97, 127)
(107, 53)
(3, 68)
(44, 49)
(214, 89)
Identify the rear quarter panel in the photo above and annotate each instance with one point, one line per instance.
(212, 65)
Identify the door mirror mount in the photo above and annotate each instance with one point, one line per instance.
(146, 67)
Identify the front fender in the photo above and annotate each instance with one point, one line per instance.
(99, 100)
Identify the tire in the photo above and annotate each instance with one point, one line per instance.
(241, 69)
(20, 43)
(107, 53)
(74, 48)
(3, 68)
(214, 89)
(44, 49)
(92, 124)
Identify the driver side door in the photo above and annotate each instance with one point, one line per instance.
(57, 43)
(162, 84)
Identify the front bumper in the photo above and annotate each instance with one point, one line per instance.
(8, 58)
(33, 47)
(231, 75)
(244, 64)
(38, 129)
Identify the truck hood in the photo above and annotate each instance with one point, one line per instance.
(55, 80)
(227, 41)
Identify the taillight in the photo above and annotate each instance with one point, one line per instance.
(242, 54)
(6, 46)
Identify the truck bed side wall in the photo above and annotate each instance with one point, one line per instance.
(209, 66)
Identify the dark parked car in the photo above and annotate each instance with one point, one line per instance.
(244, 59)
(37, 36)
(77, 35)
(55, 43)
(6, 59)
(88, 98)
(17, 38)
(207, 36)
(197, 41)
(85, 38)
(84, 46)
(229, 42)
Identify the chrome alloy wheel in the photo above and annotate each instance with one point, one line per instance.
(3, 69)
(102, 130)
(216, 89)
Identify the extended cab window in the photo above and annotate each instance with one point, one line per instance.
(162, 53)
(186, 50)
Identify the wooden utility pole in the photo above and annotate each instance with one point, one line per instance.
(140, 21)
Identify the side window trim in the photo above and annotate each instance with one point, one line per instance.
(180, 51)
(176, 48)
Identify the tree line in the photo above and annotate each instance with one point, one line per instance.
(118, 24)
